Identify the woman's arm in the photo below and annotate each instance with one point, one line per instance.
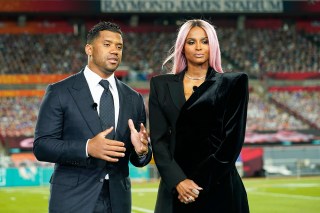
(161, 136)
(234, 125)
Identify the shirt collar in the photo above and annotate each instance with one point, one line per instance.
(94, 79)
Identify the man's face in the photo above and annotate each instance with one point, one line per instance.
(105, 53)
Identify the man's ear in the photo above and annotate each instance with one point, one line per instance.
(88, 49)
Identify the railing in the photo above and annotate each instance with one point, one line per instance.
(291, 167)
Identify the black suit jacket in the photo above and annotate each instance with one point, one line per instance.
(199, 139)
(66, 121)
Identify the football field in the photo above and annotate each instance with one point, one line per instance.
(276, 195)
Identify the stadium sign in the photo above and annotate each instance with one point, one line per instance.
(191, 6)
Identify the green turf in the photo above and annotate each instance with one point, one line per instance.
(284, 195)
(281, 195)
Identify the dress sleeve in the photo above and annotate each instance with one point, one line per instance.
(161, 136)
(234, 126)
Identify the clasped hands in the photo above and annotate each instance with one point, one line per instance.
(188, 191)
(111, 150)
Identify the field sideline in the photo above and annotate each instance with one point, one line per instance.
(277, 195)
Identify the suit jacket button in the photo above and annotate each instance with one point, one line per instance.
(101, 180)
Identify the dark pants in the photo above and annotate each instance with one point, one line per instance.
(103, 204)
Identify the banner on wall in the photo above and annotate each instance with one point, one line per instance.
(160, 6)
(3, 176)
(32, 78)
(19, 143)
(30, 175)
(51, 6)
(192, 6)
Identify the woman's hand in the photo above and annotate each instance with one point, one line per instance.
(188, 191)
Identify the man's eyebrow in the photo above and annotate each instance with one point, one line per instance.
(106, 40)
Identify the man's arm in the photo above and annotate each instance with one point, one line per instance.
(49, 145)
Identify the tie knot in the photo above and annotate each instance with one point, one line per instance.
(104, 84)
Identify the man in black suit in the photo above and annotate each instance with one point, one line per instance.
(91, 171)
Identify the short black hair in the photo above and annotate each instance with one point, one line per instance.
(103, 25)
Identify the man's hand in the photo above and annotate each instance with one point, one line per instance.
(188, 191)
(139, 139)
(105, 149)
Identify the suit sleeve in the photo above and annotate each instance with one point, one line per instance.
(134, 158)
(49, 145)
(160, 132)
(234, 125)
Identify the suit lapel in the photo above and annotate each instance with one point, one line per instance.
(176, 90)
(125, 103)
(81, 94)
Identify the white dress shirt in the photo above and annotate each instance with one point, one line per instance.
(96, 91)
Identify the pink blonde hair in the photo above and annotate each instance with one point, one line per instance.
(179, 59)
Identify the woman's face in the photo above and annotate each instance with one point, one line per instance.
(196, 47)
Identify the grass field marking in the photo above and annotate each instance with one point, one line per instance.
(33, 190)
(285, 195)
(297, 185)
(142, 209)
(145, 190)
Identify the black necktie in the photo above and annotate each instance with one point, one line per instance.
(106, 109)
